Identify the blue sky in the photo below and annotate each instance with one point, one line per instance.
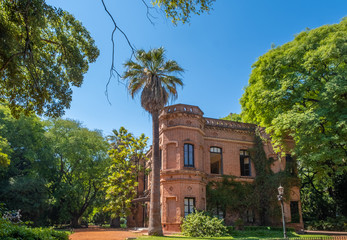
(216, 50)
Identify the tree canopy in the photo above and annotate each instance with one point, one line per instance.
(127, 155)
(44, 51)
(299, 90)
(181, 10)
(56, 171)
(235, 117)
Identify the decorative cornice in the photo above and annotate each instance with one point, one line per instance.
(228, 140)
(181, 126)
(226, 124)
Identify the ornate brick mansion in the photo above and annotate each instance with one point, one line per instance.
(196, 150)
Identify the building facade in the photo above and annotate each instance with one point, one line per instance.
(194, 151)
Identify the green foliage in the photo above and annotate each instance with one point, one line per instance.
(100, 218)
(230, 195)
(23, 182)
(299, 90)
(10, 231)
(44, 51)
(154, 77)
(320, 202)
(181, 10)
(259, 196)
(4, 159)
(233, 117)
(127, 155)
(56, 168)
(330, 224)
(200, 224)
(81, 158)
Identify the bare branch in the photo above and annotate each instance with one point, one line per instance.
(148, 14)
(113, 68)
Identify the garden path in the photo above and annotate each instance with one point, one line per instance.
(95, 233)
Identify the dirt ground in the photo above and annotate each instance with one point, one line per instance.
(95, 233)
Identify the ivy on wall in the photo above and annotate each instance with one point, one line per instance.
(260, 196)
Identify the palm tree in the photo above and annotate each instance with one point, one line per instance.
(155, 78)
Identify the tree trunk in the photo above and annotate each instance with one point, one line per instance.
(155, 228)
(75, 222)
(115, 222)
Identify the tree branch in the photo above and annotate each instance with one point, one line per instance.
(148, 14)
(113, 68)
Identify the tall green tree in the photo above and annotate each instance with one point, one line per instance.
(126, 155)
(81, 156)
(44, 51)
(23, 184)
(300, 90)
(156, 79)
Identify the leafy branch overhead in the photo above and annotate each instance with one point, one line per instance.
(44, 51)
(181, 10)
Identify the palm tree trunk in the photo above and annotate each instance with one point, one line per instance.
(155, 227)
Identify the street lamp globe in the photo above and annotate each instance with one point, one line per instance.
(280, 190)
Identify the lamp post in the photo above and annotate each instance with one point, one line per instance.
(280, 198)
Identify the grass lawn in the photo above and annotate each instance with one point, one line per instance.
(237, 235)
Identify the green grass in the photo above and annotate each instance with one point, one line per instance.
(236, 235)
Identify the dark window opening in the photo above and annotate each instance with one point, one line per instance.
(188, 155)
(216, 160)
(250, 216)
(294, 211)
(189, 205)
(245, 163)
(218, 212)
(160, 159)
(290, 164)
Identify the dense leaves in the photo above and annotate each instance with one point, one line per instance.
(200, 224)
(154, 77)
(260, 196)
(56, 171)
(10, 231)
(44, 51)
(233, 117)
(81, 157)
(300, 90)
(181, 10)
(128, 156)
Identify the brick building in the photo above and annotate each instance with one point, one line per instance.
(195, 150)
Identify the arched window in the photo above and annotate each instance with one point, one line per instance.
(216, 160)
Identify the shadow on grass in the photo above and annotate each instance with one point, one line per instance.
(235, 235)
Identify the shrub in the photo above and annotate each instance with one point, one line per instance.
(99, 218)
(123, 222)
(10, 231)
(199, 224)
(331, 224)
